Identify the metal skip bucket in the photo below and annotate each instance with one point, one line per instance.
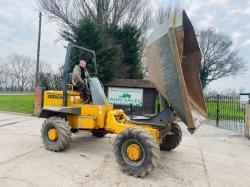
(174, 61)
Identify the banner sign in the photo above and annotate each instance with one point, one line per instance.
(125, 96)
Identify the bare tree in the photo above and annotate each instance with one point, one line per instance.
(22, 69)
(45, 75)
(218, 58)
(45, 67)
(50, 79)
(6, 76)
(1, 74)
(17, 73)
(58, 78)
(67, 13)
(163, 14)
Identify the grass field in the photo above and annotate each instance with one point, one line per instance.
(227, 110)
(16, 93)
(17, 103)
(230, 110)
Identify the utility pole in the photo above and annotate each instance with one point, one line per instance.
(38, 91)
(38, 48)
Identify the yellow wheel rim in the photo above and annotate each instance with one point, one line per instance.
(52, 134)
(134, 152)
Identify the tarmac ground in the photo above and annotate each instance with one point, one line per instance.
(211, 157)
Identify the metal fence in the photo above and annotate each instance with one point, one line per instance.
(226, 112)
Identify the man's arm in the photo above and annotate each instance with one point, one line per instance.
(77, 74)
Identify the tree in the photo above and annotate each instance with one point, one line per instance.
(22, 69)
(219, 60)
(128, 38)
(48, 78)
(118, 49)
(57, 79)
(6, 79)
(110, 27)
(89, 35)
(46, 74)
(1, 74)
(68, 13)
(163, 15)
(17, 73)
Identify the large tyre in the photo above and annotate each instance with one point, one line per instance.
(170, 142)
(99, 133)
(56, 134)
(136, 151)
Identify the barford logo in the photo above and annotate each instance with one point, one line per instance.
(55, 96)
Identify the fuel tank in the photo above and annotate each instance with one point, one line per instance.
(174, 62)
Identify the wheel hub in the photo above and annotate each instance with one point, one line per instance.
(52, 134)
(134, 152)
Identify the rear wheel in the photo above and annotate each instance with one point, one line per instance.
(136, 151)
(170, 142)
(56, 134)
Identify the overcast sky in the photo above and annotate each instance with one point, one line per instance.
(19, 27)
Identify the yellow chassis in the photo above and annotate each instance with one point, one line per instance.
(104, 117)
(95, 116)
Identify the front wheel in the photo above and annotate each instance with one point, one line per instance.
(56, 134)
(136, 151)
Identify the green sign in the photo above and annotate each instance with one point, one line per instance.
(125, 96)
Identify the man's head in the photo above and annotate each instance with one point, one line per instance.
(82, 63)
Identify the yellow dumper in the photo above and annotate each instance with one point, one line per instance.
(173, 53)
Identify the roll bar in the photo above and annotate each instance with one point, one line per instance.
(66, 67)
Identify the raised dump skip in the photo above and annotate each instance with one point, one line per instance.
(174, 60)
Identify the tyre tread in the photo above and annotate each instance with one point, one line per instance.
(64, 131)
(150, 146)
(174, 140)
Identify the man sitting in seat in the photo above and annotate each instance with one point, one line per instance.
(79, 78)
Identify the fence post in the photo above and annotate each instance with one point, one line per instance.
(217, 110)
(247, 121)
